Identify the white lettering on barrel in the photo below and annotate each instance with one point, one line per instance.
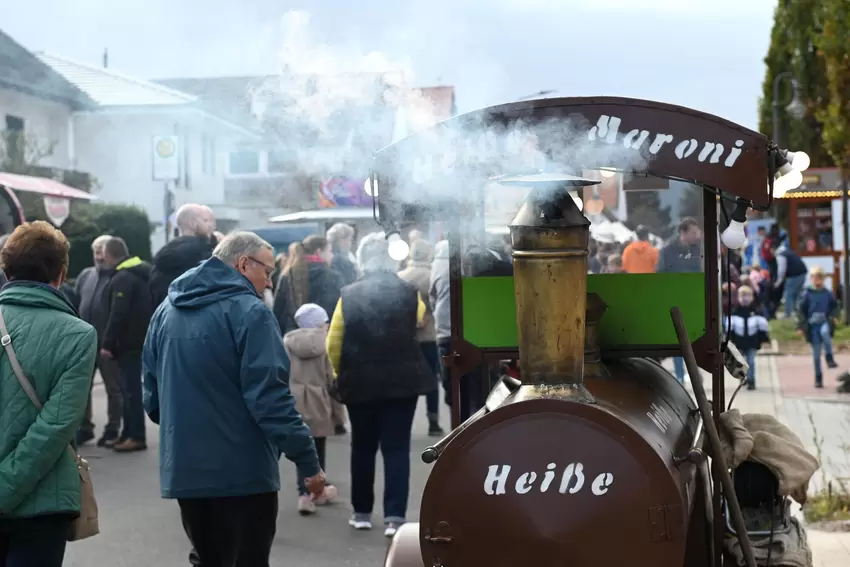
(572, 469)
(572, 480)
(524, 482)
(548, 477)
(601, 483)
(497, 476)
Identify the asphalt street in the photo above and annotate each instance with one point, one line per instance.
(140, 529)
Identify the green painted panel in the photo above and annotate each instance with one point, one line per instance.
(638, 308)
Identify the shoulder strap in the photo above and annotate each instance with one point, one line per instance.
(26, 386)
(6, 341)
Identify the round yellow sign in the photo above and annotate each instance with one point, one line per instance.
(165, 148)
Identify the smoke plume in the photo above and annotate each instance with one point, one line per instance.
(333, 105)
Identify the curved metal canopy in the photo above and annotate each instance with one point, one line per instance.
(451, 160)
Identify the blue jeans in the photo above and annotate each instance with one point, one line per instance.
(793, 287)
(27, 542)
(820, 338)
(679, 368)
(385, 425)
(750, 354)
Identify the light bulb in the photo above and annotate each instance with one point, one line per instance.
(800, 160)
(733, 237)
(778, 190)
(594, 206)
(790, 180)
(371, 187)
(398, 248)
(607, 173)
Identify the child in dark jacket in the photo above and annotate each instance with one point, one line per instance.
(748, 330)
(816, 316)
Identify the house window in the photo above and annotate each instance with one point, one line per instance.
(244, 162)
(280, 161)
(14, 138)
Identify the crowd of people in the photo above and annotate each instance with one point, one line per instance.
(233, 375)
(241, 357)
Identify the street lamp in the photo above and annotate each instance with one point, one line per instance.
(796, 108)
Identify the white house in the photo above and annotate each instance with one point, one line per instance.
(114, 141)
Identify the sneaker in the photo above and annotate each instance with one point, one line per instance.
(434, 430)
(751, 386)
(109, 439)
(340, 430)
(359, 524)
(129, 446)
(327, 496)
(830, 362)
(84, 437)
(306, 507)
(391, 529)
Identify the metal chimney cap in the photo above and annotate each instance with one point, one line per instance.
(563, 179)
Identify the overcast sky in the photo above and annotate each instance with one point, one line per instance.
(706, 54)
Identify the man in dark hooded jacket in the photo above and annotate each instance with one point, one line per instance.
(130, 311)
(195, 244)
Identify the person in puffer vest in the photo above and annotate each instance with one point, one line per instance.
(381, 373)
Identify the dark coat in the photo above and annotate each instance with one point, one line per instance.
(174, 259)
(130, 307)
(324, 285)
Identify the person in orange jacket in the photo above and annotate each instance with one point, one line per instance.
(640, 257)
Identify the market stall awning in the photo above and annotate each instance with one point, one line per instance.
(43, 186)
(332, 214)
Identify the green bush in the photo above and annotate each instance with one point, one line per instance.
(87, 221)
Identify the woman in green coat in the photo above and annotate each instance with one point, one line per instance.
(39, 482)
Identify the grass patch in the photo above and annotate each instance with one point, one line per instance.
(828, 506)
(785, 330)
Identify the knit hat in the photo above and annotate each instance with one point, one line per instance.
(310, 316)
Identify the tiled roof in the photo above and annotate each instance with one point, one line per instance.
(21, 69)
(108, 88)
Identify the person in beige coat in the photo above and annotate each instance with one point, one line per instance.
(418, 272)
(310, 378)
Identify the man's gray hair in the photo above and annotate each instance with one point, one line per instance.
(238, 244)
(100, 241)
(340, 231)
(373, 254)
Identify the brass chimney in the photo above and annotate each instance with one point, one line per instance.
(550, 237)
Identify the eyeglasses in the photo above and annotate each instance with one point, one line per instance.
(269, 269)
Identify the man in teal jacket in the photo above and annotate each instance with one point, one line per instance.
(216, 380)
(39, 482)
